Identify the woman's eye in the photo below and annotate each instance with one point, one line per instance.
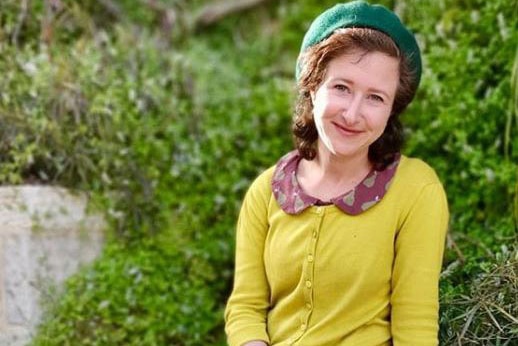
(341, 87)
(376, 98)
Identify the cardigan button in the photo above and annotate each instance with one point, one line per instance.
(308, 284)
(310, 258)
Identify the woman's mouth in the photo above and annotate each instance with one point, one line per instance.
(348, 131)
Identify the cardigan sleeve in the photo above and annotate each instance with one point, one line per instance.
(419, 250)
(245, 313)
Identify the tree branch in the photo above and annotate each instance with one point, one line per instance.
(52, 7)
(21, 19)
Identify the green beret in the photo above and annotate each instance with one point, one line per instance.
(360, 14)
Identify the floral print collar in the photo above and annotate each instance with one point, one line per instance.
(293, 200)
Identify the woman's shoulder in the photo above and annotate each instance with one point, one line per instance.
(262, 184)
(418, 182)
(266, 176)
(413, 170)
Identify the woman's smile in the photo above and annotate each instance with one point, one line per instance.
(347, 131)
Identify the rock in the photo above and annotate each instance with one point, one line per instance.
(46, 235)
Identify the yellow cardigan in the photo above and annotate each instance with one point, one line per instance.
(325, 278)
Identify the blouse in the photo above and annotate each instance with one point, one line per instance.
(325, 277)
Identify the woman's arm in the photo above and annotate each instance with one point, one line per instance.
(246, 310)
(415, 279)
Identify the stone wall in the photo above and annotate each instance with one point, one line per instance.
(45, 236)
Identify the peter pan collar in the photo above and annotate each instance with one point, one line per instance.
(293, 200)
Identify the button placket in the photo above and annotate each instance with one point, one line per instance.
(308, 276)
(309, 266)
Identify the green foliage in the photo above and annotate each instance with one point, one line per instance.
(167, 129)
(134, 296)
(465, 101)
(93, 117)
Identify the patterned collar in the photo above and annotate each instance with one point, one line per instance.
(293, 200)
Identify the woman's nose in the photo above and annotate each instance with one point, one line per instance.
(352, 110)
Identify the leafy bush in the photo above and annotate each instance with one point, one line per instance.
(94, 116)
(145, 295)
(465, 101)
(167, 129)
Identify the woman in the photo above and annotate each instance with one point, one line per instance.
(341, 242)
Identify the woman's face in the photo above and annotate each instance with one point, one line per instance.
(352, 105)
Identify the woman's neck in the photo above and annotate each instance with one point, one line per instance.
(328, 175)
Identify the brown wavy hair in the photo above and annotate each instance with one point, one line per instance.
(313, 65)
